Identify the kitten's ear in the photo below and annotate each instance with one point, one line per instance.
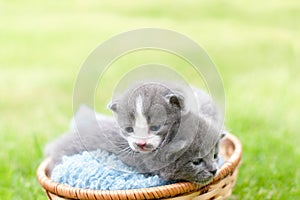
(113, 106)
(175, 100)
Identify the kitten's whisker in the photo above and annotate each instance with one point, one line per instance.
(125, 151)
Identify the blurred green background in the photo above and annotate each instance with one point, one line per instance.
(255, 45)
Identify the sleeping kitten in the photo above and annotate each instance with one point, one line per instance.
(158, 134)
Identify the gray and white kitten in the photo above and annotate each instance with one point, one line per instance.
(150, 114)
(155, 133)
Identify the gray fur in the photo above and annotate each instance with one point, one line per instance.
(189, 139)
(88, 131)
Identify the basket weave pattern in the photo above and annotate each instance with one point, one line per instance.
(219, 188)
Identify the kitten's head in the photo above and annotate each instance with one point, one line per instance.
(148, 115)
(194, 168)
(200, 169)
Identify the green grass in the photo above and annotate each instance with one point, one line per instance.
(255, 45)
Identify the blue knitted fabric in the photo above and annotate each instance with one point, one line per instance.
(101, 170)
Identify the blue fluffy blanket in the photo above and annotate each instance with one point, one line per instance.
(101, 170)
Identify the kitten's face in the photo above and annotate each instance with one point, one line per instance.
(146, 115)
(198, 169)
(145, 131)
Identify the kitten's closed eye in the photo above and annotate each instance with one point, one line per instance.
(216, 156)
(197, 161)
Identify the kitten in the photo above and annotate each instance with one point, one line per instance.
(150, 114)
(158, 134)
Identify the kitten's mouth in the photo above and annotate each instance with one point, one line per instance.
(144, 149)
(204, 180)
(142, 146)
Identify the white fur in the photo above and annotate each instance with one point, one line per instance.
(141, 125)
(141, 128)
(154, 140)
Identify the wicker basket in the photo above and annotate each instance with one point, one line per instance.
(219, 188)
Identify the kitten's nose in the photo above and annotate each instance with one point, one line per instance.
(213, 171)
(141, 144)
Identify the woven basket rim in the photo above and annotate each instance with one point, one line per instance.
(170, 190)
